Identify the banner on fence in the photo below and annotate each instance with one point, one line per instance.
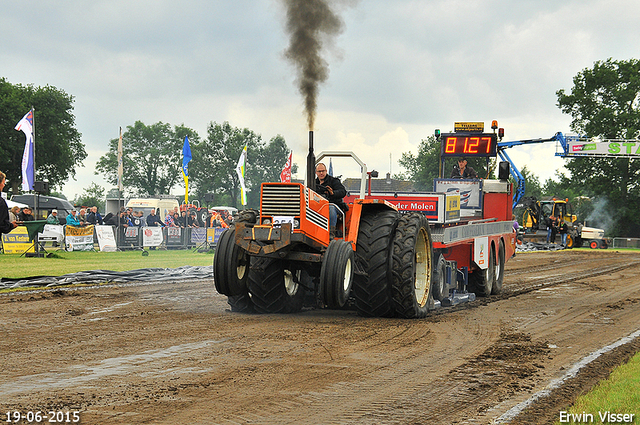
(131, 238)
(106, 238)
(198, 235)
(213, 234)
(17, 241)
(175, 237)
(78, 238)
(152, 236)
(52, 233)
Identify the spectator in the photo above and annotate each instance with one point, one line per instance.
(94, 217)
(138, 219)
(25, 215)
(562, 229)
(192, 220)
(72, 219)
(82, 217)
(13, 213)
(6, 225)
(53, 217)
(124, 221)
(154, 220)
(168, 220)
(217, 220)
(178, 220)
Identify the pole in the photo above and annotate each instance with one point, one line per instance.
(33, 138)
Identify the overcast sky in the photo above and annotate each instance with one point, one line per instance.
(399, 69)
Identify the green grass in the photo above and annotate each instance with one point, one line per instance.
(620, 393)
(62, 262)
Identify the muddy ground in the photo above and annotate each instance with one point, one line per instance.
(168, 353)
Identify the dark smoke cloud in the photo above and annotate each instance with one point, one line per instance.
(309, 24)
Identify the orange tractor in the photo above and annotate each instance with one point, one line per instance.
(384, 262)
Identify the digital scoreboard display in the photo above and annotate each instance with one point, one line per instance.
(470, 144)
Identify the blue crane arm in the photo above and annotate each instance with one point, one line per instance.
(519, 178)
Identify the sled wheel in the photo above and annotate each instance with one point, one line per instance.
(412, 267)
(273, 288)
(481, 281)
(230, 265)
(499, 271)
(336, 275)
(373, 255)
(439, 287)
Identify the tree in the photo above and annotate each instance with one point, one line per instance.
(92, 196)
(215, 159)
(58, 145)
(152, 158)
(605, 102)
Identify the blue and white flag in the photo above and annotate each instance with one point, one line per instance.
(28, 176)
(186, 157)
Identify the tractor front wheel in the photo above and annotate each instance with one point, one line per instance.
(230, 265)
(336, 275)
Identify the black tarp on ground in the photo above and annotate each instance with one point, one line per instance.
(102, 276)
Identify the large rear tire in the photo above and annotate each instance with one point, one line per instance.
(336, 274)
(499, 271)
(412, 267)
(373, 254)
(273, 288)
(230, 265)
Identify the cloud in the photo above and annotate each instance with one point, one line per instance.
(397, 71)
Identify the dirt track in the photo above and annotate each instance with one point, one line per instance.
(173, 353)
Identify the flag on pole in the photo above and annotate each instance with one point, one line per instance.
(285, 174)
(240, 169)
(186, 157)
(28, 157)
(330, 167)
(120, 164)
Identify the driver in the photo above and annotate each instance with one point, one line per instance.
(462, 171)
(333, 190)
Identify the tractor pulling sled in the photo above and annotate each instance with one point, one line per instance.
(384, 260)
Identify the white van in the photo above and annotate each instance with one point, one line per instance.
(161, 205)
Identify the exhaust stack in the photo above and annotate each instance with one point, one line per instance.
(311, 164)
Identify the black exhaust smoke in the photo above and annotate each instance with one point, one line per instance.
(309, 24)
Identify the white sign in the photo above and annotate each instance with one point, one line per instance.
(106, 239)
(481, 252)
(152, 236)
(52, 233)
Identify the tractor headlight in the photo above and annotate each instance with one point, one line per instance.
(266, 221)
(296, 223)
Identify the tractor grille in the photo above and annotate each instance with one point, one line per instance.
(280, 200)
